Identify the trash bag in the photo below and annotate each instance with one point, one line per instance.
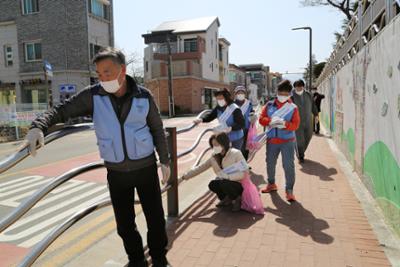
(251, 200)
(251, 143)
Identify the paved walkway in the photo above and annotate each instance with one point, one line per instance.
(326, 227)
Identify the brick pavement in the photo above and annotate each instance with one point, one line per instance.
(326, 227)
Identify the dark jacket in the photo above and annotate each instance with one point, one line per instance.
(237, 117)
(307, 108)
(317, 100)
(81, 104)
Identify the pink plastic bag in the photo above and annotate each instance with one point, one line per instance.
(251, 200)
(251, 143)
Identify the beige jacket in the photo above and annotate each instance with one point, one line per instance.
(232, 156)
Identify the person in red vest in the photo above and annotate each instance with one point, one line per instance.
(281, 117)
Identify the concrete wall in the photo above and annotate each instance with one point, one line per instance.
(8, 33)
(98, 30)
(209, 57)
(362, 111)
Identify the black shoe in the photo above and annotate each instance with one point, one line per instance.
(144, 263)
(161, 263)
(301, 160)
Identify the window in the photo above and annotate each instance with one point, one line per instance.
(94, 49)
(216, 45)
(30, 6)
(8, 56)
(220, 53)
(212, 67)
(147, 66)
(98, 8)
(33, 52)
(190, 45)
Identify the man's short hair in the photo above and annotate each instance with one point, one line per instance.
(112, 53)
(299, 83)
(285, 86)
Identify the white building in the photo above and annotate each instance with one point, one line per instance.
(200, 62)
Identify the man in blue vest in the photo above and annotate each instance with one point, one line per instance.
(128, 128)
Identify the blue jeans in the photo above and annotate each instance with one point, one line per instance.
(287, 150)
(237, 144)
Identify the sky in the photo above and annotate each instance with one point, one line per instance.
(259, 30)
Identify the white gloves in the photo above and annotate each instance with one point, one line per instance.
(222, 129)
(277, 122)
(166, 173)
(227, 130)
(32, 138)
(222, 175)
(197, 121)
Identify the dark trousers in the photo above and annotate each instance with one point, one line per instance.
(121, 186)
(244, 150)
(316, 126)
(226, 188)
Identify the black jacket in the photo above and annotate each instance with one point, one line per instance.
(238, 118)
(81, 104)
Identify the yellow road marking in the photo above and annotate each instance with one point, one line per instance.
(77, 248)
(72, 249)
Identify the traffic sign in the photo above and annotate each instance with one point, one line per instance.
(67, 88)
(48, 68)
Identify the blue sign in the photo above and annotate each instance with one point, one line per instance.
(67, 88)
(48, 68)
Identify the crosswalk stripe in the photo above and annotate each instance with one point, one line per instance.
(23, 189)
(63, 194)
(31, 180)
(60, 216)
(14, 181)
(44, 212)
(69, 184)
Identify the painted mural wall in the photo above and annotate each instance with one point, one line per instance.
(362, 112)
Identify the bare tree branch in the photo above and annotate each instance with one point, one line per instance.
(347, 7)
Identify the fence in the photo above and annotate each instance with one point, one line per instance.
(15, 119)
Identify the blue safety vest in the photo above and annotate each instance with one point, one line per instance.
(233, 135)
(110, 132)
(246, 115)
(279, 133)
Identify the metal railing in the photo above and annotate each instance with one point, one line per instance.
(171, 188)
(358, 34)
(23, 152)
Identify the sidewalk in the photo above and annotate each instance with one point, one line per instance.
(326, 227)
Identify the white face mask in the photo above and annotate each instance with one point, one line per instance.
(217, 149)
(299, 92)
(283, 98)
(111, 86)
(221, 102)
(240, 97)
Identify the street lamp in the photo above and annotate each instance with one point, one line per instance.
(310, 70)
(165, 37)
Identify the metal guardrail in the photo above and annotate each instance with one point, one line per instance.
(25, 206)
(193, 125)
(358, 35)
(23, 152)
(195, 144)
(12, 160)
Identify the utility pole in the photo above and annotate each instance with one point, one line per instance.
(170, 91)
(310, 67)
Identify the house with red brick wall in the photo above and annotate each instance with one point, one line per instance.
(200, 64)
